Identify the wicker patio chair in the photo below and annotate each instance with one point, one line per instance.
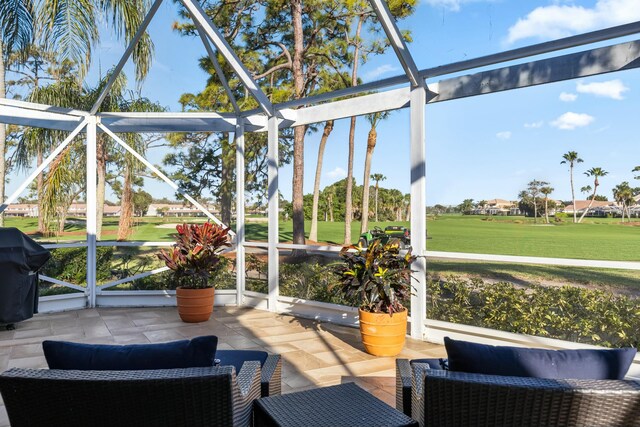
(211, 396)
(271, 367)
(444, 398)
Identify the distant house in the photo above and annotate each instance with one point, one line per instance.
(80, 209)
(598, 208)
(175, 209)
(497, 207)
(26, 210)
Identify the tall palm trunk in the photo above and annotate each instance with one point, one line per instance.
(371, 145)
(126, 206)
(299, 132)
(3, 133)
(348, 211)
(546, 210)
(593, 197)
(377, 220)
(101, 183)
(226, 182)
(573, 194)
(313, 233)
(42, 229)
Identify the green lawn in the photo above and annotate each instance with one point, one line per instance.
(603, 239)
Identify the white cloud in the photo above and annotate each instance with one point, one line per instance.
(337, 173)
(534, 125)
(611, 89)
(379, 71)
(568, 97)
(570, 121)
(561, 20)
(504, 135)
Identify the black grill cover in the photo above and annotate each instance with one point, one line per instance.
(20, 260)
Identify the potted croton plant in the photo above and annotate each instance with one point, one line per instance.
(194, 261)
(378, 280)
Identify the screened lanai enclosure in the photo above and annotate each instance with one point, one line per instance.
(589, 54)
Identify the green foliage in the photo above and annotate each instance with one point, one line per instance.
(195, 258)
(570, 313)
(309, 280)
(378, 279)
(70, 265)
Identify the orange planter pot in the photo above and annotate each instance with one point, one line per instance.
(383, 334)
(195, 305)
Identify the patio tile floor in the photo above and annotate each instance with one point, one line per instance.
(314, 353)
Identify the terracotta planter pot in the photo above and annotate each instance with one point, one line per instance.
(195, 305)
(383, 334)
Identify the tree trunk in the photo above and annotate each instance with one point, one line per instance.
(535, 211)
(377, 220)
(126, 207)
(102, 182)
(3, 133)
(573, 194)
(352, 133)
(42, 227)
(371, 145)
(299, 132)
(313, 233)
(227, 184)
(330, 203)
(546, 210)
(593, 197)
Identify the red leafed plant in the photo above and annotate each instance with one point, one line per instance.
(195, 258)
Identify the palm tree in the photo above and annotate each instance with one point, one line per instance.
(68, 28)
(623, 194)
(534, 190)
(571, 157)
(377, 177)
(546, 190)
(595, 173)
(330, 193)
(372, 139)
(16, 35)
(313, 232)
(636, 169)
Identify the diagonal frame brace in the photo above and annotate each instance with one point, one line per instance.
(42, 167)
(397, 42)
(199, 16)
(125, 56)
(162, 176)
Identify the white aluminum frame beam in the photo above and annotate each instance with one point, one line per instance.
(418, 211)
(225, 49)
(397, 42)
(273, 209)
(92, 208)
(125, 56)
(240, 212)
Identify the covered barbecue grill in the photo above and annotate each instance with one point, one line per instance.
(20, 260)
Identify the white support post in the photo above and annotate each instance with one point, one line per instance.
(418, 211)
(92, 164)
(272, 191)
(240, 230)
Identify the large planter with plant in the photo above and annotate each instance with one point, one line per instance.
(378, 280)
(194, 262)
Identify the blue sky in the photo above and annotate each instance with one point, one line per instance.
(481, 148)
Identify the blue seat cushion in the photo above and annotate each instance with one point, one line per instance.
(607, 364)
(197, 352)
(237, 357)
(438, 364)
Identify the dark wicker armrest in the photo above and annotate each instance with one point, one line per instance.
(271, 377)
(463, 399)
(417, 391)
(248, 380)
(403, 386)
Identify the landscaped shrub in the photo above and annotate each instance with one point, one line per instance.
(569, 313)
(70, 265)
(311, 281)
